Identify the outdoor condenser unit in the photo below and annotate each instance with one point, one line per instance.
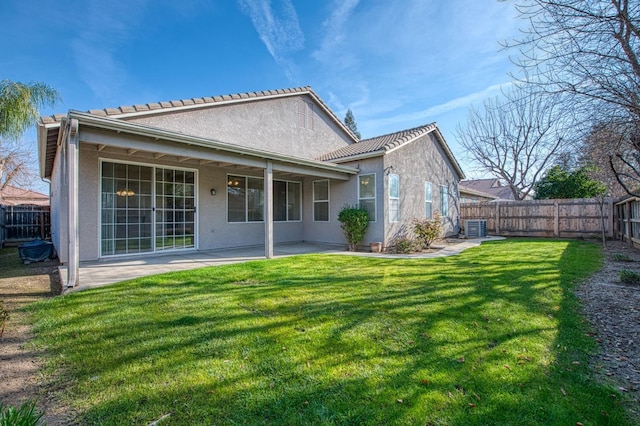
(475, 228)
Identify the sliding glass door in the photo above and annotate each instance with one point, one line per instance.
(128, 224)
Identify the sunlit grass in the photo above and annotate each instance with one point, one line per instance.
(492, 336)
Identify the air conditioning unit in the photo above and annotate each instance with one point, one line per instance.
(475, 228)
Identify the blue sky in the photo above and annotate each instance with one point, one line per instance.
(396, 63)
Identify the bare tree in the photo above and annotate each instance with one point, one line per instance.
(516, 138)
(598, 153)
(16, 165)
(589, 52)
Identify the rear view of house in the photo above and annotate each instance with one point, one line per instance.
(232, 171)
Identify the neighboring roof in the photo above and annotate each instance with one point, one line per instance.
(490, 186)
(12, 196)
(464, 190)
(382, 144)
(49, 126)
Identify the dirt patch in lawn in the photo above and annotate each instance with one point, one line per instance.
(20, 363)
(613, 309)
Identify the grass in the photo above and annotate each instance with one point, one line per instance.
(492, 336)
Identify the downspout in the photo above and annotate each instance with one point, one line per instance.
(73, 264)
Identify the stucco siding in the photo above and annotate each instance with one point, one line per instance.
(59, 209)
(271, 125)
(415, 163)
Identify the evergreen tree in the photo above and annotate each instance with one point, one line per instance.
(562, 183)
(350, 122)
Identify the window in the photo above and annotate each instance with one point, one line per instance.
(367, 194)
(444, 200)
(287, 205)
(321, 201)
(394, 198)
(128, 223)
(305, 115)
(245, 199)
(428, 200)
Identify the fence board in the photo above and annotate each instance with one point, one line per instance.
(23, 223)
(543, 218)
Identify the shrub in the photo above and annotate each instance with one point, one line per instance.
(405, 245)
(622, 257)
(629, 277)
(26, 415)
(4, 317)
(354, 221)
(428, 230)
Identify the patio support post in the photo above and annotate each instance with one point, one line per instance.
(268, 203)
(73, 264)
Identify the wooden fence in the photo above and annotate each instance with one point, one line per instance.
(627, 217)
(544, 218)
(24, 223)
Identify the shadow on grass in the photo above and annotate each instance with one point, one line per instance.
(487, 337)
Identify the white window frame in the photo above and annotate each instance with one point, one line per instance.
(444, 200)
(287, 182)
(153, 167)
(326, 201)
(394, 199)
(428, 200)
(246, 201)
(360, 198)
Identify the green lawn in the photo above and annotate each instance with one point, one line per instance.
(492, 336)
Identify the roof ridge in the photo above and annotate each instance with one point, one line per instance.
(186, 102)
(407, 131)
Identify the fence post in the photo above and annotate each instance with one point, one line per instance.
(556, 219)
(627, 227)
(498, 218)
(611, 220)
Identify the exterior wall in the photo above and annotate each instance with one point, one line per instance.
(268, 124)
(59, 208)
(213, 230)
(415, 163)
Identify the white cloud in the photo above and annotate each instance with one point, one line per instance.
(279, 30)
(430, 114)
(335, 29)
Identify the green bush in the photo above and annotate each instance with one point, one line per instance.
(26, 415)
(405, 245)
(428, 230)
(622, 257)
(354, 221)
(629, 277)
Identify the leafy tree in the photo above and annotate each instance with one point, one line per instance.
(350, 122)
(19, 104)
(559, 183)
(354, 221)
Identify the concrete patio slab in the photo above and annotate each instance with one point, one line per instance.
(103, 272)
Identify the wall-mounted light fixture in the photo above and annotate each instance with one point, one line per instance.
(213, 191)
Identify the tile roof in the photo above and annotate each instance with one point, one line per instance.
(13, 196)
(379, 144)
(167, 106)
(490, 186)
